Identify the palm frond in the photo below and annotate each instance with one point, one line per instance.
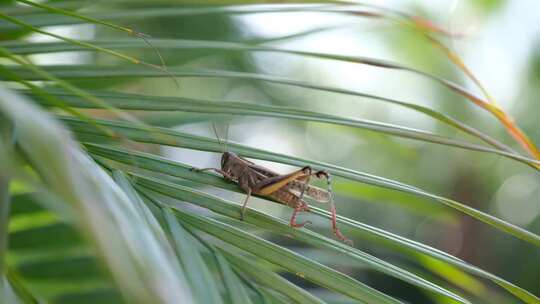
(91, 212)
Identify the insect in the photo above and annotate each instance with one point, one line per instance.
(288, 189)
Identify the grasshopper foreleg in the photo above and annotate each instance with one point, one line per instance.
(306, 181)
(217, 170)
(244, 205)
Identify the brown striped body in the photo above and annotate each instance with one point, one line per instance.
(286, 189)
(250, 176)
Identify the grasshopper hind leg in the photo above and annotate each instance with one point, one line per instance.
(293, 222)
(337, 232)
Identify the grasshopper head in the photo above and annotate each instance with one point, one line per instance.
(307, 170)
(226, 160)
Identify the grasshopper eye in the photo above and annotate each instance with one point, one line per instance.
(321, 174)
(224, 159)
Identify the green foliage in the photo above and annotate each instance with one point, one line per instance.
(105, 217)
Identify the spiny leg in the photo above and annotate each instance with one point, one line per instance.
(206, 169)
(244, 205)
(320, 174)
(304, 186)
(293, 219)
(336, 230)
(297, 209)
(217, 170)
(273, 184)
(333, 212)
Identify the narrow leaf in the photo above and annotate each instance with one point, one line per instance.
(92, 72)
(270, 279)
(157, 103)
(199, 277)
(161, 165)
(285, 258)
(235, 288)
(278, 226)
(104, 211)
(179, 139)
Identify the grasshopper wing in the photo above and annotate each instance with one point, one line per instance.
(295, 186)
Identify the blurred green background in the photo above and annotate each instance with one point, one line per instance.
(501, 45)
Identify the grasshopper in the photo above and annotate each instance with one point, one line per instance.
(287, 189)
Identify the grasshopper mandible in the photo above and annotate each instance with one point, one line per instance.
(288, 189)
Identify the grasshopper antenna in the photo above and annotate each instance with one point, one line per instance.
(217, 136)
(145, 38)
(163, 67)
(226, 137)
